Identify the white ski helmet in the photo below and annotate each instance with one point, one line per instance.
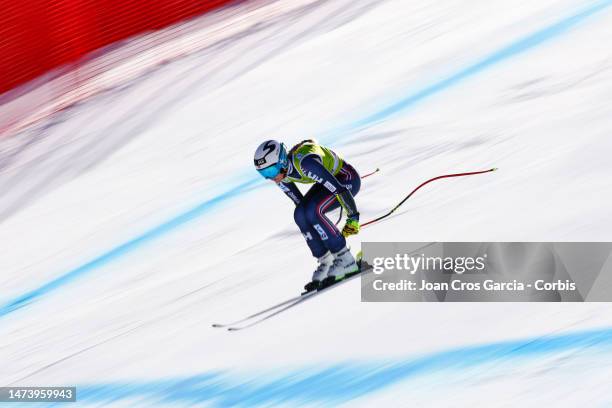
(271, 158)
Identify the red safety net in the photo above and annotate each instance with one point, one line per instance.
(38, 36)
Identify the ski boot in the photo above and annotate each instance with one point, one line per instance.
(344, 266)
(325, 262)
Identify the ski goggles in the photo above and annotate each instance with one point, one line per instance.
(272, 171)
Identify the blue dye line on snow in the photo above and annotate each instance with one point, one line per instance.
(125, 248)
(512, 50)
(338, 383)
(505, 53)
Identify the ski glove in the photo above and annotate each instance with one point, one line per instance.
(351, 227)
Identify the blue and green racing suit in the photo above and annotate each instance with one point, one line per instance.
(335, 184)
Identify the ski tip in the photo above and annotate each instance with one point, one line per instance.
(233, 329)
(495, 169)
(217, 325)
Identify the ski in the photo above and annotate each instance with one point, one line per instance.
(261, 312)
(274, 313)
(280, 308)
(284, 305)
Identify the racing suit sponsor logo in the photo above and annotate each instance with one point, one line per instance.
(330, 186)
(316, 178)
(321, 232)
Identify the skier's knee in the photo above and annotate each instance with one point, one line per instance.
(311, 212)
(299, 215)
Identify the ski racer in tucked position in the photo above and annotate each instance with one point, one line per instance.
(335, 184)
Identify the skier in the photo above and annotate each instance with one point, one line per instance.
(335, 184)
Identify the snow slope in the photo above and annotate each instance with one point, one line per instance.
(134, 220)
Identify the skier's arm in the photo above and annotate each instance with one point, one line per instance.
(291, 191)
(313, 168)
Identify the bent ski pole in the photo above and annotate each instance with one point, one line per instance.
(421, 185)
(369, 174)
